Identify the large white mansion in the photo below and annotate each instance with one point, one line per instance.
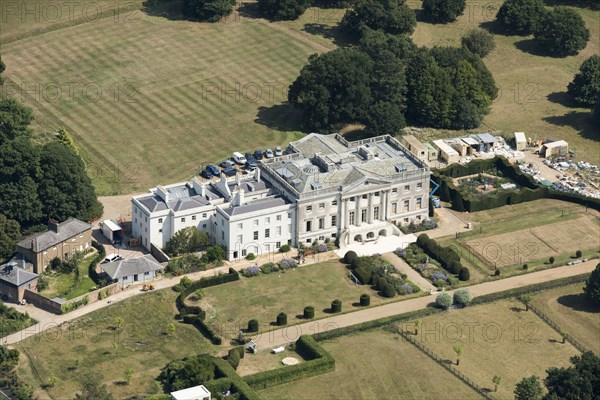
(324, 187)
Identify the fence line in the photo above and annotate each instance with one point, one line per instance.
(558, 329)
(484, 392)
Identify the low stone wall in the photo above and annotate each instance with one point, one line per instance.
(42, 302)
(157, 253)
(57, 306)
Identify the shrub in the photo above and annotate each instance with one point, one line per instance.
(464, 274)
(102, 295)
(233, 357)
(250, 257)
(497, 272)
(281, 319)
(241, 350)
(389, 291)
(455, 267)
(349, 257)
(185, 282)
(363, 275)
(309, 312)
(336, 306)
(285, 248)
(479, 42)
(452, 280)
(578, 254)
(251, 271)
(253, 325)
(551, 260)
(268, 268)
(381, 283)
(525, 267)
(463, 297)
(441, 283)
(365, 300)
(443, 300)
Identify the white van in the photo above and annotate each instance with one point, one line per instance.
(111, 258)
(239, 158)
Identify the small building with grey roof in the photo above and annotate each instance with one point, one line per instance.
(132, 270)
(15, 277)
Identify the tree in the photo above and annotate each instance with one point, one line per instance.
(186, 240)
(390, 16)
(526, 298)
(479, 42)
(213, 254)
(443, 300)
(333, 88)
(128, 375)
(496, 381)
(596, 112)
(10, 231)
(551, 260)
(578, 254)
(520, 17)
(63, 137)
(529, 389)
(463, 297)
(562, 32)
(66, 189)
(585, 87)
(443, 10)
(170, 328)
(459, 351)
(278, 10)
(592, 286)
(92, 388)
(183, 373)
(2, 68)
(119, 323)
(14, 119)
(580, 381)
(207, 10)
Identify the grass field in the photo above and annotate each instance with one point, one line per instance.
(61, 285)
(231, 306)
(497, 339)
(150, 98)
(376, 365)
(510, 236)
(141, 345)
(569, 308)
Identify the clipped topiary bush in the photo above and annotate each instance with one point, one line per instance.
(309, 312)
(281, 319)
(464, 274)
(525, 266)
(233, 357)
(578, 254)
(365, 300)
(381, 283)
(551, 260)
(250, 257)
(253, 325)
(497, 272)
(336, 306)
(350, 256)
(443, 300)
(389, 291)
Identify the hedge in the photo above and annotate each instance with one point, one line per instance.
(319, 362)
(448, 258)
(309, 312)
(253, 325)
(349, 257)
(281, 319)
(365, 300)
(204, 329)
(99, 258)
(336, 306)
(228, 379)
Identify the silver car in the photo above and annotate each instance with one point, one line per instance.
(269, 153)
(278, 152)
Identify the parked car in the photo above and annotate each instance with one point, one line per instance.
(238, 158)
(213, 170)
(231, 171)
(227, 164)
(278, 152)
(111, 258)
(205, 173)
(252, 162)
(258, 154)
(269, 153)
(248, 156)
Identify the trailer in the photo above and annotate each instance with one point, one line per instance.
(112, 231)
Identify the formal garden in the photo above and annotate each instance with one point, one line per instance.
(68, 278)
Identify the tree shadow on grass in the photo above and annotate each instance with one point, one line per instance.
(532, 46)
(171, 10)
(579, 120)
(248, 10)
(516, 309)
(494, 28)
(563, 98)
(328, 32)
(578, 302)
(281, 117)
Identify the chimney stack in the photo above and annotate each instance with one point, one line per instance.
(238, 197)
(53, 225)
(238, 179)
(257, 174)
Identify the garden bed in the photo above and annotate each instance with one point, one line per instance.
(429, 268)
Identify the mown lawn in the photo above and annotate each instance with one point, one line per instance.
(571, 310)
(229, 307)
(499, 338)
(376, 365)
(141, 344)
(62, 285)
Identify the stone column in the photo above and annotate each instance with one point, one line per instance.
(342, 215)
(357, 215)
(370, 210)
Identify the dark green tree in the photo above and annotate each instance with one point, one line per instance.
(592, 286)
(520, 17)
(585, 87)
(92, 388)
(186, 240)
(562, 32)
(10, 231)
(183, 373)
(66, 189)
(2, 68)
(207, 10)
(19, 172)
(334, 88)
(529, 389)
(14, 119)
(580, 381)
(278, 10)
(479, 42)
(390, 16)
(213, 254)
(443, 10)
(596, 113)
